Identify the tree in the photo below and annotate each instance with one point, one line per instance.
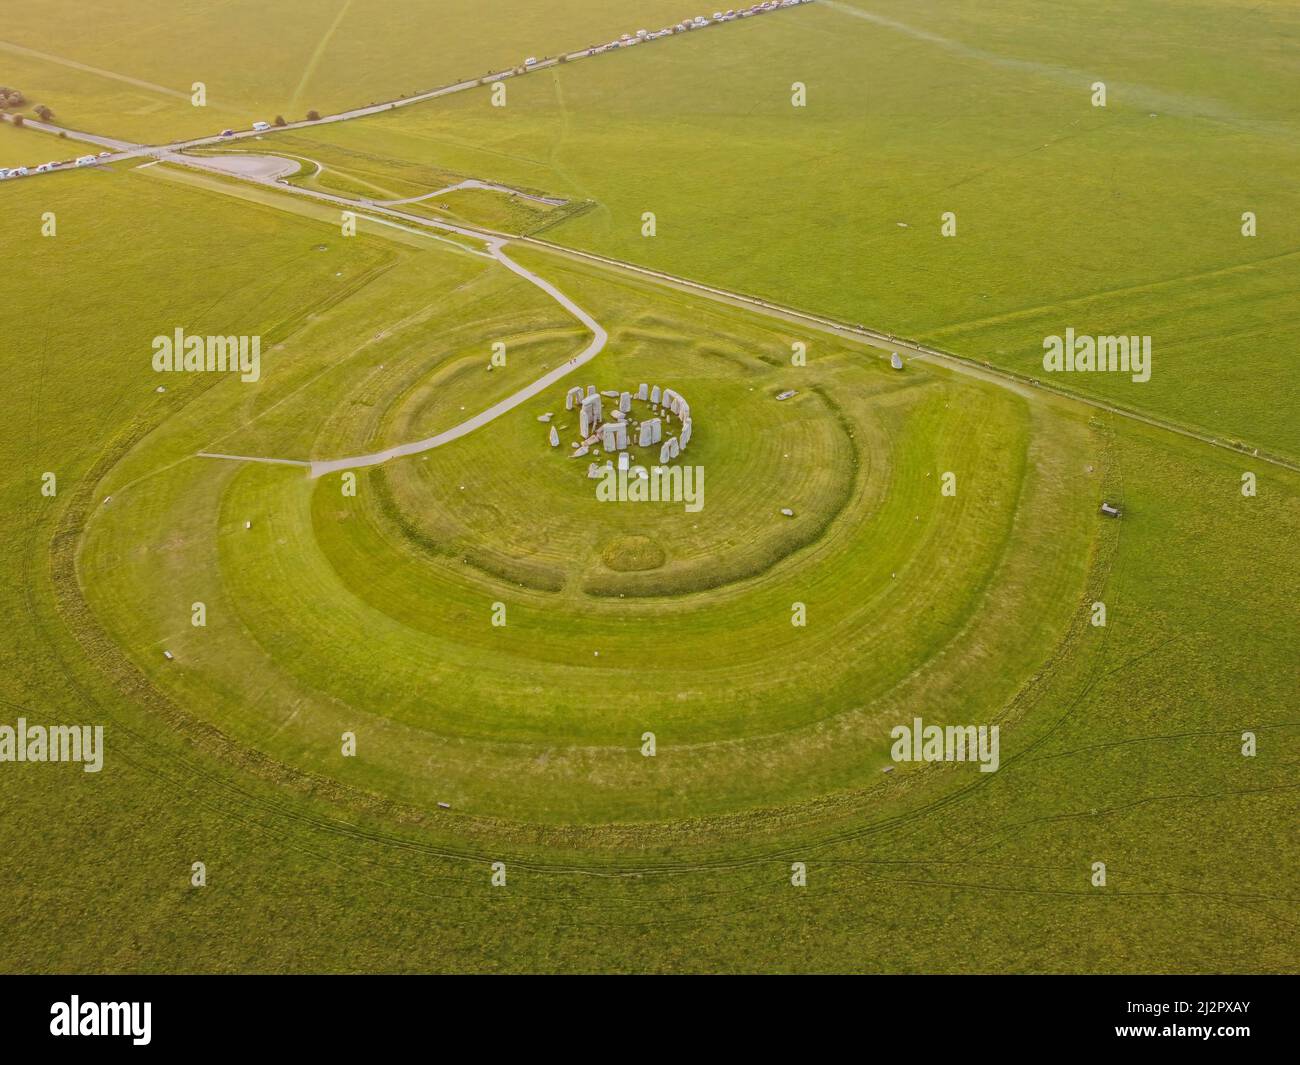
(18, 121)
(279, 120)
(43, 113)
(313, 116)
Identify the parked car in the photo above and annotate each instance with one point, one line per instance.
(86, 160)
(260, 126)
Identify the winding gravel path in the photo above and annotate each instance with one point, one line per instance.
(598, 340)
(471, 183)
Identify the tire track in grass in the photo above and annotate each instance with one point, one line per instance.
(317, 56)
(85, 68)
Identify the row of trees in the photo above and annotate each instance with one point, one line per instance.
(11, 98)
(312, 116)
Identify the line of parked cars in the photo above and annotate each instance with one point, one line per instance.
(696, 23)
(44, 168)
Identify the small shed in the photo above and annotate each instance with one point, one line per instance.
(1110, 511)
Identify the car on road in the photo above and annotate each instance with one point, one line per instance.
(260, 126)
(227, 133)
(45, 168)
(531, 61)
(86, 160)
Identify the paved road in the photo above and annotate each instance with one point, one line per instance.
(124, 150)
(471, 183)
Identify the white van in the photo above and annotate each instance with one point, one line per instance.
(85, 160)
(259, 126)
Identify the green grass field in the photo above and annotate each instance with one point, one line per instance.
(372, 613)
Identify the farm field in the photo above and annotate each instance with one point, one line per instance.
(349, 695)
(1118, 220)
(257, 60)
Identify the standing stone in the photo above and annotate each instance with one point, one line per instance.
(647, 432)
(624, 460)
(663, 454)
(584, 423)
(613, 436)
(574, 395)
(591, 390)
(625, 402)
(555, 437)
(654, 395)
(594, 409)
(642, 392)
(685, 437)
(673, 448)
